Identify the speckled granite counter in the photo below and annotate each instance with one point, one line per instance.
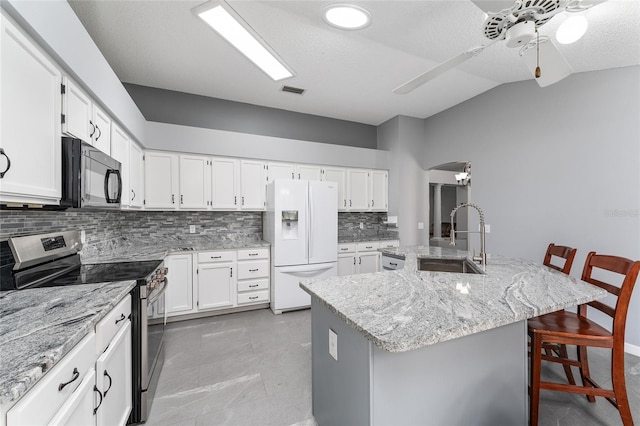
(409, 309)
(40, 326)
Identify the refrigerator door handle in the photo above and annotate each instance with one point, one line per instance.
(310, 208)
(305, 268)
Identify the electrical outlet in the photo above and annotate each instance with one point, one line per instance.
(83, 236)
(192, 229)
(361, 225)
(420, 225)
(333, 344)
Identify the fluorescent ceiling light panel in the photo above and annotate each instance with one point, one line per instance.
(236, 31)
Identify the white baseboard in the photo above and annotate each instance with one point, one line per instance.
(632, 349)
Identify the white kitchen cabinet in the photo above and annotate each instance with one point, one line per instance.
(308, 172)
(363, 257)
(253, 276)
(379, 190)
(280, 171)
(120, 151)
(77, 112)
(30, 128)
(113, 380)
(217, 280)
(179, 295)
(161, 180)
(252, 184)
(195, 182)
(368, 262)
(136, 176)
(339, 176)
(101, 138)
(78, 409)
(225, 183)
(358, 181)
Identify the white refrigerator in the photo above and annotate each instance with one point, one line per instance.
(301, 223)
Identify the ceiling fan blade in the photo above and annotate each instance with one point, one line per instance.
(437, 70)
(553, 65)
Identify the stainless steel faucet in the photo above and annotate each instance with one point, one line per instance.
(482, 258)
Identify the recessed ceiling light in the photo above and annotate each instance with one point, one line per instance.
(228, 24)
(347, 16)
(572, 29)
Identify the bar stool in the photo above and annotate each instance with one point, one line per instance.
(568, 328)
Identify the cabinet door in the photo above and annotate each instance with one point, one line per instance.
(113, 379)
(216, 286)
(136, 175)
(102, 134)
(358, 184)
(379, 190)
(307, 172)
(76, 107)
(120, 151)
(280, 171)
(195, 178)
(252, 183)
(224, 183)
(339, 176)
(368, 262)
(161, 180)
(346, 264)
(78, 409)
(29, 121)
(179, 297)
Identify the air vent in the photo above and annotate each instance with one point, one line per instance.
(291, 89)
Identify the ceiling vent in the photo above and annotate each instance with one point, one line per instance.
(290, 89)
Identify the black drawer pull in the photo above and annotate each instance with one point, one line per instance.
(122, 318)
(369, 247)
(393, 264)
(75, 373)
(253, 298)
(253, 285)
(254, 270)
(110, 382)
(253, 254)
(344, 249)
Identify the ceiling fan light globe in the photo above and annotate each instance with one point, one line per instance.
(572, 29)
(347, 16)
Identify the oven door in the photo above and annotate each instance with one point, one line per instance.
(101, 180)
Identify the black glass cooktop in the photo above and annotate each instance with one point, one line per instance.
(102, 272)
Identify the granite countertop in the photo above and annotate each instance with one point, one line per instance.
(40, 326)
(125, 249)
(409, 309)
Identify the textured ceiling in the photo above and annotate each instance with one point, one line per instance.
(347, 75)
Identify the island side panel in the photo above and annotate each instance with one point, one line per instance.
(341, 389)
(480, 379)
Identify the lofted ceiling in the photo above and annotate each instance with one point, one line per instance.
(347, 75)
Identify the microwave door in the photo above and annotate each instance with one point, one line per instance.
(102, 185)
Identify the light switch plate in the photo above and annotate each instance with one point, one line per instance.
(333, 344)
(192, 229)
(420, 225)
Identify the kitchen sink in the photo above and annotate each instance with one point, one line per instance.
(463, 266)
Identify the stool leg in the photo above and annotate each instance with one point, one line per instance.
(534, 379)
(619, 386)
(584, 370)
(562, 352)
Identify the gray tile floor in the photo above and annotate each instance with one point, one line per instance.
(254, 368)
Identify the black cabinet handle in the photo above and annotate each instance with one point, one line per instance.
(94, 128)
(181, 199)
(122, 318)
(235, 200)
(253, 254)
(95, 389)
(243, 200)
(253, 270)
(99, 134)
(253, 298)
(253, 285)
(134, 195)
(173, 199)
(110, 382)
(8, 163)
(393, 264)
(216, 257)
(231, 272)
(75, 373)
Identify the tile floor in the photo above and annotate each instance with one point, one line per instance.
(254, 368)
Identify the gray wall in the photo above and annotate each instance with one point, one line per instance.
(166, 106)
(403, 138)
(558, 164)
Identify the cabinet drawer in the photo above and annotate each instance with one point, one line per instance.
(347, 248)
(253, 297)
(42, 402)
(252, 285)
(249, 254)
(389, 244)
(259, 268)
(216, 256)
(368, 246)
(112, 323)
(391, 263)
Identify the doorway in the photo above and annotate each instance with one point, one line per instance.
(446, 191)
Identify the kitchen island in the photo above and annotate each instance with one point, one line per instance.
(430, 348)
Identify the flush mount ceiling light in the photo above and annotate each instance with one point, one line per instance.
(572, 29)
(346, 16)
(228, 24)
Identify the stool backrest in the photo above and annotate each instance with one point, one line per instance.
(564, 252)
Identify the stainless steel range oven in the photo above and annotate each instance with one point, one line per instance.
(48, 260)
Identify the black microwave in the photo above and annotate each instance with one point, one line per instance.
(90, 178)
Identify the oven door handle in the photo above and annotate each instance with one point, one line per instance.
(162, 290)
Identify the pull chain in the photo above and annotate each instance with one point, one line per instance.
(538, 72)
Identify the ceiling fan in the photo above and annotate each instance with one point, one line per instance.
(515, 23)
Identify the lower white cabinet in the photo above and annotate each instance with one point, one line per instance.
(78, 409)
(253, 276)
(216, 280)
(362, 258)
(179, 295)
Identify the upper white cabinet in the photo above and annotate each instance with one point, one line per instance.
(308, 172)
(252, 184)
(77, 112)
(280, 171)
(30, 144)
(339, 176)
(161, 180)
(358, 184)
(195, 182)
(136, 176)
(225, 183)
(379, 190)
(120, 142)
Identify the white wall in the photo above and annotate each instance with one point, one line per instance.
(403, 137)
(173, 137)
(559, 164)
